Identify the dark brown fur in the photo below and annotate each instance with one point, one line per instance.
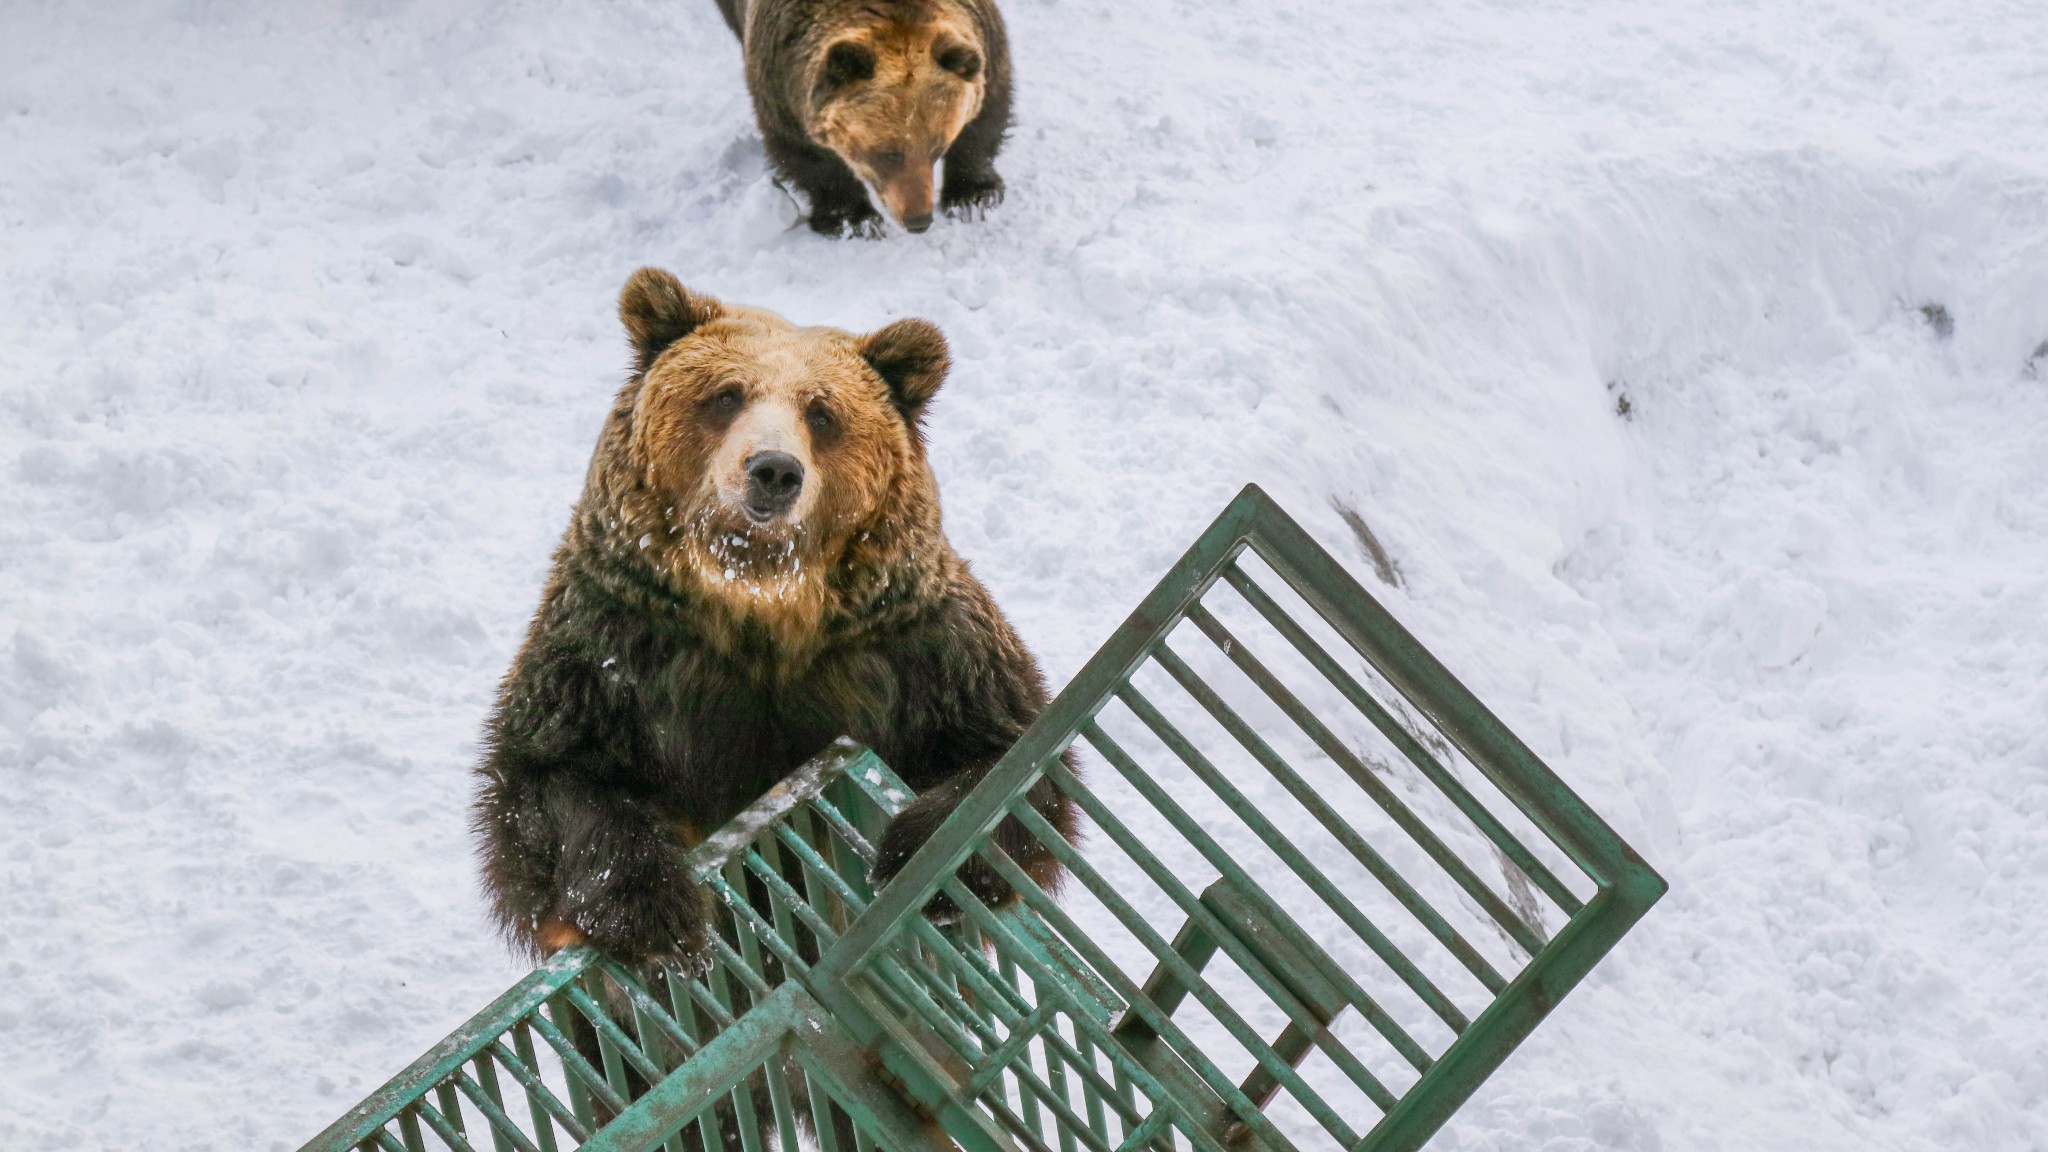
(682, 662)
(849, 88)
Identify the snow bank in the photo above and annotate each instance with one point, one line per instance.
(1690, 368)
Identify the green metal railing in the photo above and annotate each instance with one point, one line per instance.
(564, 1052)
(1324, 894)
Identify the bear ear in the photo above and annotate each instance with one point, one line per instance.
(911, 357)
(658, 311)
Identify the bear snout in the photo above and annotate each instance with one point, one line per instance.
(774, 480)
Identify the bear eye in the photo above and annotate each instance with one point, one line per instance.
(962, 62)
(847, 62)
(726, 404)
(821, 419)
(886, 161)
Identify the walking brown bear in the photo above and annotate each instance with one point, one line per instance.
(755, 567)
(860, 96)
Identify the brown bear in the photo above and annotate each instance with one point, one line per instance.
(860, 96)
(755, 567)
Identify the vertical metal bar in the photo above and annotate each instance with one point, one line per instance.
(1097, 1119)
(447, 1122)
(541, 1101)
(487, 1078)
(1056, 1080)
(538, 1098)
(822, 1127)
(561, 1014)
(409, 1127)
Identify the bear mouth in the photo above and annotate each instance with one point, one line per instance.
(761, 516)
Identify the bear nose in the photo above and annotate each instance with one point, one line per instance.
(918, 223)
(773, 481)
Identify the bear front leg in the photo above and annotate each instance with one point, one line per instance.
(915, 825)
(969, 191)
(622, 880)
(971, 186)
(838, 200)
(565, 864)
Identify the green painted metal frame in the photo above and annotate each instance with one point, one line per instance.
(516, 1068)
(1133, 1027)
(1013, 1029)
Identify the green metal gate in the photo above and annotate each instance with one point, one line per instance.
(1324, 894)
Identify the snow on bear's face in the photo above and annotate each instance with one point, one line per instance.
(771, 447)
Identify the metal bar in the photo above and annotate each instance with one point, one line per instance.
(672, 1104)
(386, 1102)
(1056, 1080)
(835, 881)
(609, 1030)
(823, 1130)
(1021, 1033)
(762, 930)
(504, 1132)
(1012, 1010)
(1424, 836)
(1298, 862)
(1252, 964)
(1131, 1072)
(847, 1068)
(1030, 1085)
(1524, 779)
(543, 1102)
(487, 1078)
(792, 902)
(524, 1065)
(1145, 1133)
(783, 900)
(984, 806)
(450, 1132)
(1385, 873)
(1093, 1097)
(1403, 740)
(558, 1009)
(1160, 1022)
(648, 1009)
(582, 1076)
(409, 1127)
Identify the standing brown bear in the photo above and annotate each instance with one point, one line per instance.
(866, 96)
(755, 567)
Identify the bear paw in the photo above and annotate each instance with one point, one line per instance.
(971, 197)
(901, 840)
(861, 222)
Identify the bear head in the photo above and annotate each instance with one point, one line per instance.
(890, 88)
(773, 471)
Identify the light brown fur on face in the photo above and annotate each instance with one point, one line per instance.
(744, 381)
(924, 82)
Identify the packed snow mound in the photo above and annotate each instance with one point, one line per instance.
(1679, 377)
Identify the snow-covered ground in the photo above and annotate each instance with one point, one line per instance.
(1691, 361)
